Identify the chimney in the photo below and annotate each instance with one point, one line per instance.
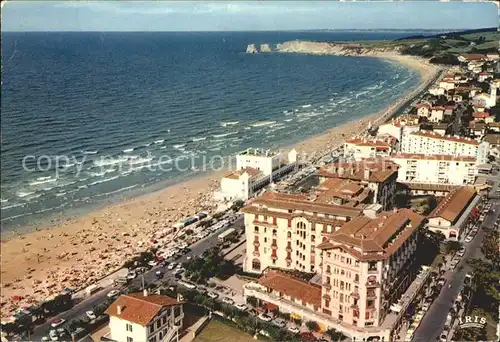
(145, 292)
(119, 310)
(367, 173)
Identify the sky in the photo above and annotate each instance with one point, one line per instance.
(115, 15)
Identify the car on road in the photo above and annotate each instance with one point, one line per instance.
(159, 274)
(228, 300)
(265, 318)
(241, 307)
(120, 281)
(279, 322)
(131, 275)
(90, 315)
(468, 239)
(444, 336)
(213, 295)
(187, 284)
(293, 329)
(58, 323)
(172, 266)
(113, 293)
(53, 335)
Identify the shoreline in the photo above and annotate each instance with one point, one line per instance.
(79, 250)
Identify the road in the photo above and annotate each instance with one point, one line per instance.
(433, 322)
(149, 277)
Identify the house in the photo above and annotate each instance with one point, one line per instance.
(141, 317)
(452, 213)
(360, 149)
(494, 126)
(447, 84)
(483, 116)
(437, 114)
(494, 141)
(423, 109)
(471, 57)
(492, 56)
(457, 98)
(437, 91)
(483, 76)
(477, 128)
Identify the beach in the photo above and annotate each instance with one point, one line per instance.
(78, 251)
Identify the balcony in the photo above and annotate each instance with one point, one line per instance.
(274, 257)
(256, 243)
(289, 249)
(355, 307)
(371, 295)
(372, 283)
(354, 295)
(327, 286)
(288, 260)
(256, 253)
(273, 246)
(372, 271)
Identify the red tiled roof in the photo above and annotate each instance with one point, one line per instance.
(380, 170)
(473, 56)
(438, 108)
(137, 308)
(291, 286)
(480, 115)
(454, 204)
(425, 105)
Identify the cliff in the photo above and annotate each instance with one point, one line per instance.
(325, 48)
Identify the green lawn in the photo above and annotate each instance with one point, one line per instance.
(217, 331)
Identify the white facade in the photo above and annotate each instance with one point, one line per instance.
(264, 161)
(437, 114)
(436, 91)
(436, 144)
(435, 169)
(447, 85)
(364, 149)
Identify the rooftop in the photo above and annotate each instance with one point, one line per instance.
(345, 189)
(493, 139)
(258, 152)
(445, 137)
(480, 115)
(375, 238)
(373, 170)
(384, 143)
(434, 157)
(291, 286)
(237, 174)
(454, 204)
(139, 309)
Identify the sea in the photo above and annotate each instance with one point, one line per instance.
(90, 118)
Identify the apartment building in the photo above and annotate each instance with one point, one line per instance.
(452, 212)
(364, 284)
(436, 144)
(282, 230)
(379, 175)
(143, 317)
(400, 126)
(359, 149)
(435, 169)
(254, 170)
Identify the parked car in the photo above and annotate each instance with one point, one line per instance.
(279, 322)
(293, 329)
(91, 315)
(213, 295)
(468, 239)
(228, 300)
(58, 323)
(444, 336)
(159, 274)
(241, 307)
(113, 293)
(131, 275)
(120, 282)
(53, 335)
(264, 317)
(172, 266)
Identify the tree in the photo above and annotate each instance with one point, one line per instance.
(253, 301)
(452, 246)
(335, 335)
(312, 325)
(237, 205)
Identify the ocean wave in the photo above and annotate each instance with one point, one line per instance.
(224, 135)
(44, 178)
(22, 194)
(103, 180)
(179, 146)
(128, 150)
(107, 162)
(15, 205)
(159, 141)
(99, 174)
(90, 152)
(29, 198)
(15, 216)
(288, 120)
(262, 123)
(306, 105)
(199, 139)
(38, 182)
(163, 147)
(229, 123)
(140, 160)
(116, 191)
(59, 194)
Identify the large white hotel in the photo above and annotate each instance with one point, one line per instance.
(361, 254)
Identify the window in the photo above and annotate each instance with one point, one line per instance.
(130, 339)
(164, 320)
(328, 269)
(128, 327)
(289, 235)
(152, 339)
(256, 229)
(151, 328)
(158, 324)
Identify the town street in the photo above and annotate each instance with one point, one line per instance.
(433, 322)
(88, 304)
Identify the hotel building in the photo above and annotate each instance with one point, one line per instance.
(363, 284)
(379, 175)
(438, 169)
(436, 144)
(359, 149)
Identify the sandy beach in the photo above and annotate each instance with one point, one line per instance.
(78, 251)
